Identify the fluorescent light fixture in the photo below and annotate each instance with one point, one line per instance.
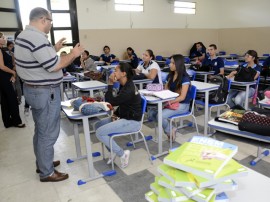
(182, 4)
(122, 7)
(136, 2)
(184, 10)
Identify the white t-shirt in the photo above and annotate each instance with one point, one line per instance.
(152, 65)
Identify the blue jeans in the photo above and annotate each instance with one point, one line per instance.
(46, 105)
(106, 127)
(166, 113)
(239, 97)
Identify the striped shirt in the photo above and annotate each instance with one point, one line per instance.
(36, 58)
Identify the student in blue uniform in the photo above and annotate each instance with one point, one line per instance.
(134, 61)
(198, 51)
(107, 57)
(251, 59)
(216, 62)
(149, 68)
(179, 82)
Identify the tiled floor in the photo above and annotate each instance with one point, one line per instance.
(19, 182)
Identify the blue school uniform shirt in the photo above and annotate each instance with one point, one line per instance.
(108, 58)
(185, 81)
(135, 61)
(217, 63)
(198, 53)
(266, 63)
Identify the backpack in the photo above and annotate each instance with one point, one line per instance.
(219, 96)
(203, 68)
(245, 74)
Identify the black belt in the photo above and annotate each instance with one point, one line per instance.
(42, 86)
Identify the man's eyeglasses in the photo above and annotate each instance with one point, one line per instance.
(49, 20)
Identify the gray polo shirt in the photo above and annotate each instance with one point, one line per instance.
(36, 58)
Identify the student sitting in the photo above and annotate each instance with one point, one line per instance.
(251, 58)
(216, 62)
(179, 82)
(107, 57)
(128, 115)
(134, 61)
(70, 68)
(87, 63)
(198, 51)
(149, 68)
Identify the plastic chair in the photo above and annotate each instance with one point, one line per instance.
(222, 53)
(266, 54)
(164, 76)
(113, 135)
(187, 60)
(192, 74)
(159, 58)
(230, 62)
(233, 55)
(116, 62)
(168, 61)
(191, 95)
(211, 106)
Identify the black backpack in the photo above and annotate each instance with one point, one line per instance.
(203, 68)
(219, 96)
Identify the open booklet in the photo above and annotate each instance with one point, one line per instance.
(163, 94)
(232, 116)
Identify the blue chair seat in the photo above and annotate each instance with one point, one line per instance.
(178, 115)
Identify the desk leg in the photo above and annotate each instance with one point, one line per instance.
(77, 140)
(88, 147)
(73, 94)
(206, 112)
(90, 158)
(261, 152)
(160, 153)
(91, 93)
(246, 99)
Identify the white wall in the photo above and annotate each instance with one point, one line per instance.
(244, 13)
(99, 14)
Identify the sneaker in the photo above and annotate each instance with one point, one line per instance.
(26, 111)
(110, 160)
(125, 158)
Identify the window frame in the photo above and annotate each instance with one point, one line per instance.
(182, 7)
(129, 4)
(16, 11)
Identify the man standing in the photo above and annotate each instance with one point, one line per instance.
(40, 69)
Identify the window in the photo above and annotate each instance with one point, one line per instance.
(184, 7)
(10, 18)
(129, 5)
(64, 15)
